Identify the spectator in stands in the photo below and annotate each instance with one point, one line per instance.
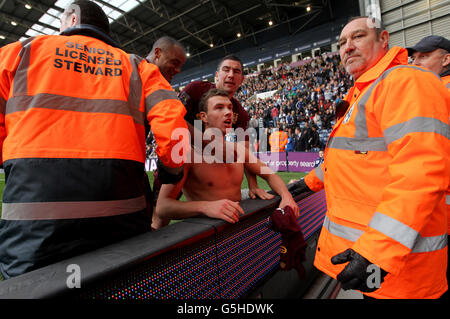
(386, 174)
(306, 137)
(314, 142)
(328, 117)
(275, 112)
(65, 196)
(267, 115)
(295, 87)
(298, 142)
(207, 192)
(328, 94)
(433, 52)
(319, 160)
(291, 141)
(301, 118)
(282, 119)
(260, 121)
(317, 119)
(300, 104)
(254, 123)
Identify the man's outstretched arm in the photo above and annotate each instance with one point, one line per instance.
(275, 182)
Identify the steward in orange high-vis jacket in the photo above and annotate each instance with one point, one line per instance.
(385, 174)
(72, 128)
(278, 141)
(433, 52)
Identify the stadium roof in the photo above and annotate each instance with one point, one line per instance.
(207, 28)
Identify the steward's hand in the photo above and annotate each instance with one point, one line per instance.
(356, 274)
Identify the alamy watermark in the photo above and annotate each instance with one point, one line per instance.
(211, 145)
(74, 279)
(373, 281)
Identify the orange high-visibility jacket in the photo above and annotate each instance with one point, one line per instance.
(278, 141)
(72, 131)
(385, 174)
(446, 81)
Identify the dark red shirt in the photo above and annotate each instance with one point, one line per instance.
(190, 96)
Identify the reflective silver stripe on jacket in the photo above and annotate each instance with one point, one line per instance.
(68, 103)
(362, 141)
(71, 210)
(427, 244)
(447, 199)
(345, 232)
(361, 120)
(416, 125)
(21, 102)
(387, 226)
(155, 97)
(20, 78)
(159, 96)
(135, 86)
(357, 144)
(319, 172)
(391, 227)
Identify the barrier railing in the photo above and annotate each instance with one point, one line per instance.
(197, 258)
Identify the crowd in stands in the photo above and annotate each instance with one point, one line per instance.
(303, 104)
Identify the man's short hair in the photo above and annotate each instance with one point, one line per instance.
(230, 57)
(203, 104)
(378, 24)
(166, 42)
(92, 14)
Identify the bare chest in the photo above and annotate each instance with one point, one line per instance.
(214, 180)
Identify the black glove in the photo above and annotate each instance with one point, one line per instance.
(299, 187)
(167, 177)
(356, 274)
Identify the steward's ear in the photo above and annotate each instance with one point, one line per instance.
(384, 37)
(74, 19)
(446, 60)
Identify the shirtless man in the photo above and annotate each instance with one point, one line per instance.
(214, 189)
(228, 77)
